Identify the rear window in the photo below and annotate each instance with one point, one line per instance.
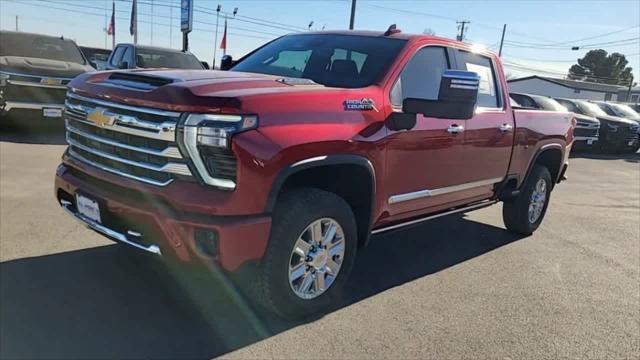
(345, 61)
(156, 58)
(38, 46)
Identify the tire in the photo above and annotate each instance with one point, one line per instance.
(515, 212)
(295, 212)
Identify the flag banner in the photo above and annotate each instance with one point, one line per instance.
(111, 30)
(133, 27)
(223, 43)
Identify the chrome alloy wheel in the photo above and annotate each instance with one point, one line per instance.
(538, 199)
(316, 258)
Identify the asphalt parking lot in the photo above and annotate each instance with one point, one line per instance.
(457, 287)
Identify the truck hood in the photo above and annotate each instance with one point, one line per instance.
(195, 90)
(42, 67)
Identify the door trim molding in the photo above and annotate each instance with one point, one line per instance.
(394, 199)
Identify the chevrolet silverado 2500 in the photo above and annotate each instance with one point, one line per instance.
(306, 147)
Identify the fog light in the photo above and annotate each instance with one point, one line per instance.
(206, 242)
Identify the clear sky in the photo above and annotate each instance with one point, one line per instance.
(538, 40)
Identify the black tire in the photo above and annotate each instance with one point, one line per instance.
(295, 211)
(515, 212)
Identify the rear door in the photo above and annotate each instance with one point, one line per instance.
(489, 135)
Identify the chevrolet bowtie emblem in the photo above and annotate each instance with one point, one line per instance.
(50, 81)
(98, 117)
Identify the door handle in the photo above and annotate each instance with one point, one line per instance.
(505, 127)
(454, 129)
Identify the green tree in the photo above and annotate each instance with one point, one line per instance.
(599, 66)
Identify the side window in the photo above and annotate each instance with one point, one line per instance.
(117, 56)
(420, 78)
(128, 57)
(569, 105)
(525, 101)
(489, 90)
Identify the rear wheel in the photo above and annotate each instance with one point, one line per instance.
(310, 253)
(524, 214)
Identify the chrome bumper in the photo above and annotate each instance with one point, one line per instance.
(9, 105)
(111, 234)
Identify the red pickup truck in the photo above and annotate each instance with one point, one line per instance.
(303, 149)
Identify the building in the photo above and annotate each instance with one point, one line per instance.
(573, 89)
(630, 97)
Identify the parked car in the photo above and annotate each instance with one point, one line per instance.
(586, 132)
(291, 160)
(616, 133)
(130, 56)
(34, 72)
(97, 57)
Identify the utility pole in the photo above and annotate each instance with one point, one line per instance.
(462, 25)
(170, 27)
(215, 45)
(353, 14)
(504, 29)
(16, 22)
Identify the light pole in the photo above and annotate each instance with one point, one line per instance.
(215, 45)
(353, 14)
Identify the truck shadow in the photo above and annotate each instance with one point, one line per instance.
(633, 158)
(108, 302)
(46, 136)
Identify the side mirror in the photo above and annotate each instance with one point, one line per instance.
(124, 65)
(456, 100)
(226, 63)
(205, 65)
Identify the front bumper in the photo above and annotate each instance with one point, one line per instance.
(155, 226)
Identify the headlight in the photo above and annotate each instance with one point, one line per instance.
(612, 127)
(207, 140)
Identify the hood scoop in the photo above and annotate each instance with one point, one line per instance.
(138, 81)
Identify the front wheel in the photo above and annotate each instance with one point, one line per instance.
(524, 214)
(310, 254)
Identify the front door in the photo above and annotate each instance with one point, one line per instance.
(423, 161)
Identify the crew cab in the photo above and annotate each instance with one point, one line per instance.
(293, 158)
(133, 56)
(585, 134)
(34, 72)
(616, 134)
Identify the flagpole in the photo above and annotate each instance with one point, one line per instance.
(134, 12)
(113, 36)
(215, 41)
(106, 25)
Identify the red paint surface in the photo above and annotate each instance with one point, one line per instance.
(303, 121)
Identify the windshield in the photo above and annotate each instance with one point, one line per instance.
(37, 46)
(590, 108)
(345, 61)
(626, 111)
(155, 58)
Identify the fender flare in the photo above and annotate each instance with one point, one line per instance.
(535, 157)
(318, 161)
(364, 235)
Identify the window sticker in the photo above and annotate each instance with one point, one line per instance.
(486, 79)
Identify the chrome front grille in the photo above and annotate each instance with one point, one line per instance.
(134, 142)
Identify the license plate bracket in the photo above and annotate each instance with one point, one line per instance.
(88, 208)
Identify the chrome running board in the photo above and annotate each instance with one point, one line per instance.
(434, 216)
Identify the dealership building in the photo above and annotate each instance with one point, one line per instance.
(573, 89)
